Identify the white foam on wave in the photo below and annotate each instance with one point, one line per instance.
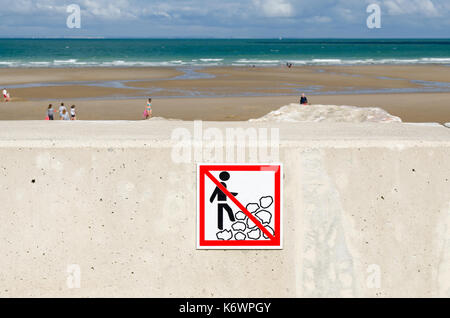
(371, 61)
(221, 61)
(70, 61)
(328, 113)
(40, 64)
(344, 62)
(327, 61)
(436, 60)
(256, 61)
(211, 60)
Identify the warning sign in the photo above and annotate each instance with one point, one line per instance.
(239, 206)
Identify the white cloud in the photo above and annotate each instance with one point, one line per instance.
(319, 19)
(228, 18)
(408, 7)
(275, 8)
(110, 10)
(32, 7)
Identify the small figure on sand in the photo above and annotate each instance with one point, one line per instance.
(64, 115)
(6, 97)
(303, 100)
(73, 113)
(148, 109)
(50, 112)
(62, 108)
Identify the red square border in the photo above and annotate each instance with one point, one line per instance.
(203, 173)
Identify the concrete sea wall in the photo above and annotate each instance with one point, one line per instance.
(93, 209)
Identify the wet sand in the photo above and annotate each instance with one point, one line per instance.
(44, 75)
(227, 90)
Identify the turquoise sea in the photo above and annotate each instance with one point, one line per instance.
(204, 52)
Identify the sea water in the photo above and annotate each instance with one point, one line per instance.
(219, 52)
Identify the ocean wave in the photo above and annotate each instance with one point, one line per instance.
(211, 60)
(40, 64)
(435, 60)
(371, 61)
(327, 61)
(70, 61)
(296, 113)
(220, 62)
(256, 61)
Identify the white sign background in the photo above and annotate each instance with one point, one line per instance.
(250, 186)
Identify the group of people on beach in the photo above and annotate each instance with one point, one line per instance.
(6, 96)
(71, 114)
(64, 114)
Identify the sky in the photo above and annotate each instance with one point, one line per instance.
(226, 18)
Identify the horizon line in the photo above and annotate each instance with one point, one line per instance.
(220, 38)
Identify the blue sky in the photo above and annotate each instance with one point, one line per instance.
(225, 18)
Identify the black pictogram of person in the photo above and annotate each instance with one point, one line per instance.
(222, 199)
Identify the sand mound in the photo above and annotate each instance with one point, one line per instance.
(328, 113)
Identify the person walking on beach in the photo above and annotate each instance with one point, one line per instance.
(5, 95)
(50, 112)
(73, 114)
(61, 109)
(148, 109)
(303, 100)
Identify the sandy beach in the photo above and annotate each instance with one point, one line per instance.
(415, 93)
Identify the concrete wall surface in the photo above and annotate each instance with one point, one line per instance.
(103, 204)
